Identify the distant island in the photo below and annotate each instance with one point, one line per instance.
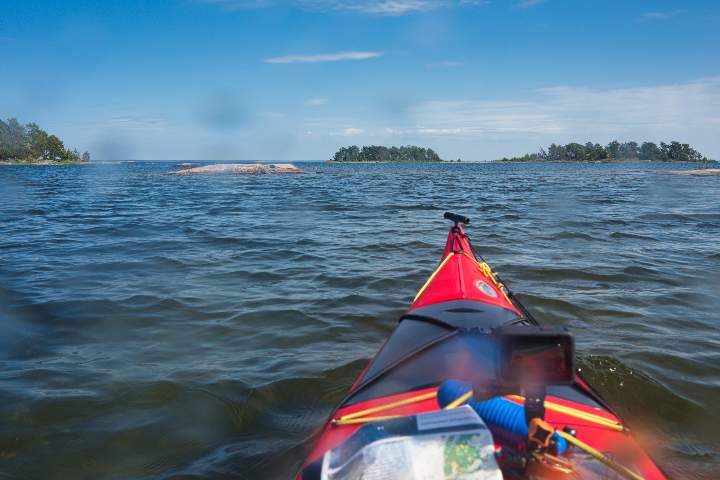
(613, 152)
(375, 154)
(30, 144)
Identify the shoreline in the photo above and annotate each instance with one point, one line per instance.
(44, 163)
(628, 160)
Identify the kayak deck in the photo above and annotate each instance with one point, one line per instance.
(600, 435)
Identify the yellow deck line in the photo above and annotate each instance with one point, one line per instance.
(361, 416)
(388, 406)
(590, 417)
(621, 469)
(437, 270)
(355, 421)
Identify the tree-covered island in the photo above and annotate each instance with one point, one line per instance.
(31, 144)
(374, 153)
(613, 151)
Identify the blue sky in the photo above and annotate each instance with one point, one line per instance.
(296, 79)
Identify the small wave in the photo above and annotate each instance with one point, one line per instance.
(707, 226)
(163, 261)
(631, 390)
(495, 250)
(305, 257)
(326, 207)
(665, 217)
(637, 273)
(379, 247)
(550, 273)
(568, 235)
(552, 310)
(633, 236)
(251, 276)
(276, 322)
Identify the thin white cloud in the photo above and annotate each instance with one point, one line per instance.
(658, 15)
(387, 7)
(315, 101)
(529, 3)
(323, 57)
(238, 4)
(370, 7)
(136, 122)
(473, 118)
(685, 111)
(445, 64)
(349, 132)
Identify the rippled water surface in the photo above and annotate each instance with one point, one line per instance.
(156, 326)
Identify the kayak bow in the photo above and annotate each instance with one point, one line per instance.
(446, 334)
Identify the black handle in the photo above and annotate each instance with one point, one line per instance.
(454, 217)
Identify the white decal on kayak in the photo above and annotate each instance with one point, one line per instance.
(486, 289)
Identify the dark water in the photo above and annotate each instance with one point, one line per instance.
(155, 326)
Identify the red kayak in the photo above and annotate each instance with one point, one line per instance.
(444, 353)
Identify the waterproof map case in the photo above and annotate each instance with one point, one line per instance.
(448, 444)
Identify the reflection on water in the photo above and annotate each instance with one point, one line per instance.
(154, 325)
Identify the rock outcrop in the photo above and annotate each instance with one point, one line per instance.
(241, 168)
(697, 173)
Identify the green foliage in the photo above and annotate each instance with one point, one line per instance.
(575, 152)
(30, 144)
(528, 157)
(375, 153)
(649, 151)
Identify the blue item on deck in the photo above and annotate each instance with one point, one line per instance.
(496, 412)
